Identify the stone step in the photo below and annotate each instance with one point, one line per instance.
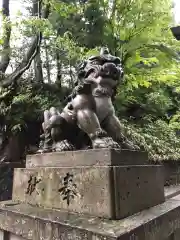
(98, 157)
(112, 192)
(35, 223)
(171, 191)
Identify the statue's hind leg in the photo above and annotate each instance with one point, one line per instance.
(55, 137)
(114, 129)
(61, 131)
(46, 142)
(62, 136)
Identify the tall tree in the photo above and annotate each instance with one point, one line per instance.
(5, 55)
(36, 11)
(9, 88)
(59, 74)
(47, 64)
(29, 56)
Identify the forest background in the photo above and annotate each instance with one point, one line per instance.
(41, 47)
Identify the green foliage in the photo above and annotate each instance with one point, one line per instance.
(148, 100)
(27, 104)
(157, 138)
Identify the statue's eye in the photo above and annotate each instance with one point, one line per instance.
(96, 62)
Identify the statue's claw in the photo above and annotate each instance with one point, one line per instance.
(45, 147)
(105, 142)
(64, 145)
(45, 150)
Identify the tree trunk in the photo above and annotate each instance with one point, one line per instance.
(25, 64)
(47, 62)
(5, 55)
(7, 148)
(59, 76)
(37, 60)
(27, 59)
(38, 67)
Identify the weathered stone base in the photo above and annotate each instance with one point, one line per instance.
(91, 157)
(98, 188)
(157, 223)
(73, 196)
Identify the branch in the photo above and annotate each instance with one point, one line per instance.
(28, 58)
(171, 53)
(25, 64)
(167, 50)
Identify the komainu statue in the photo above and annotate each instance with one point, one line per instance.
(88, 120)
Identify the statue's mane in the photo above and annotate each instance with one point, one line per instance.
(94, 64)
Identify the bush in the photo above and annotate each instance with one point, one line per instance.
(157, 138)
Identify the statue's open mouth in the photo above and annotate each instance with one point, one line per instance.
(110, 70)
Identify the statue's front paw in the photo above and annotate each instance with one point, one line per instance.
(64, 145)
(45, 149)
(105, 142)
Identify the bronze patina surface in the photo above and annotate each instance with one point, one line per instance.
(88, 120)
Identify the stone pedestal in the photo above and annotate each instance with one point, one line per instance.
(105, 184)
(36, 223)
(89, 195)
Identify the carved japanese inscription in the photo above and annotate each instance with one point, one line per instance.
(32, 183)
(69, 189)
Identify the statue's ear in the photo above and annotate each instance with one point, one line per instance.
(117, 61)
(81, 71)
(82, 65)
